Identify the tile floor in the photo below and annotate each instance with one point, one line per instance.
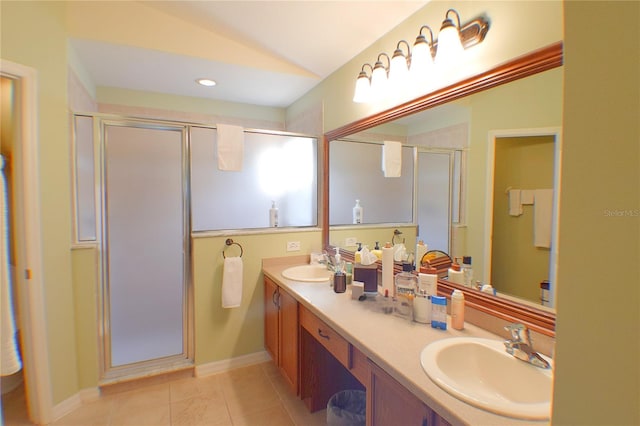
(254, 395)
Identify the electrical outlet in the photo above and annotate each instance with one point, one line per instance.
(351, 242)
(293, 245)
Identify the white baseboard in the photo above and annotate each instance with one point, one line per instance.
(231, 363)
(67, 406)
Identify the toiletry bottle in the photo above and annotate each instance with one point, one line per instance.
(349, 272)
(421, 250)
(422, 307)
(455, 274)
(376, 250)
(457, 310)
(358, 255)
(439, 312)
(406, 283)
(467, 271)
(428, 280)
(273, 215)
(357, 213)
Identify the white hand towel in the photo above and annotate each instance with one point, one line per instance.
(515, 205)
(9, 354)
(392, 159)
(230, 147)
(232, 282)
(542, 216)
(527, 196)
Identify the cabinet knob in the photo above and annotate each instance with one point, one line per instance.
(321, 334)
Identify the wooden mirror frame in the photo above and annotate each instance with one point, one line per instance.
(523, 66)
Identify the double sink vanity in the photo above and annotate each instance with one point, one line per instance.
(324, 342)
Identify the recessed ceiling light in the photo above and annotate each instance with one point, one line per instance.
(206, 82)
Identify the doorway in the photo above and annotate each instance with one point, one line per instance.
(522, 213)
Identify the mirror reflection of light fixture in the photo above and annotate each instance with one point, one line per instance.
(379, 79)
(449, 45)
(363, 86)
(421, 58)
(452, 41)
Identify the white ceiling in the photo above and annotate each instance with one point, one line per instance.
(317, 36)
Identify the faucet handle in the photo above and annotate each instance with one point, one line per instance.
(519, 333)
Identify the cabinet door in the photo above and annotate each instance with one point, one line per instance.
(392, 404)
(271, 319)
(289, 338)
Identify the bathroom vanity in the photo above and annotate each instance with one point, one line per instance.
(324, 342)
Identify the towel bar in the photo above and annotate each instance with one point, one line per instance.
(230, 242)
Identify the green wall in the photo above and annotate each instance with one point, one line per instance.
(33, 34)
(597, 377)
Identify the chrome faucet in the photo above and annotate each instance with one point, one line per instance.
(328, 260)
(520, 346)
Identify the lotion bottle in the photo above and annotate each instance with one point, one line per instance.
(457, 310)
(467, 271)
(357, 213)
(455, 275)
(273, 215)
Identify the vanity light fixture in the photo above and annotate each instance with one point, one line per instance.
(452, 41)
(363, 86)
(422, 56)
(379, 79)
(206, 82)
(449, 44)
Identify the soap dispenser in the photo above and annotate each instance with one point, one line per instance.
(467, 271)
(455, 274)
(377, 251)
(358, 255)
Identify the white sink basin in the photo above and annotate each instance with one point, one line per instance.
(307, 273)
(481, 373)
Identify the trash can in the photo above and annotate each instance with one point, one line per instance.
(347, 408)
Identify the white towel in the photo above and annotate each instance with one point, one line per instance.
(392, 159)
(9, 354)
(232, 282)
(515, 204)
(542, 216)
(527, 196)
(230, 147)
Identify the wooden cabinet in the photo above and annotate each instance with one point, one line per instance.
(389, 404)
(281, 331)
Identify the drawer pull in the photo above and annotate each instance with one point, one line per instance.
(324, 336)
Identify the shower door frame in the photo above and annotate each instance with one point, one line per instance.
(109, 373)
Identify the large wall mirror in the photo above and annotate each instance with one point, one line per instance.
(499, 136)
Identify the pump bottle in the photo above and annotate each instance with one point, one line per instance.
(357, 213)
(273, 215)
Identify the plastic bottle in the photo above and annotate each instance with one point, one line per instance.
(376, 250)
(422, 307)
(457, 310)
(455, 275)
(357, 213)
(428, 281)
(273, 215)
(406, 283)
(421, 250)
(358, 255)
(467, 271)
(439, 312)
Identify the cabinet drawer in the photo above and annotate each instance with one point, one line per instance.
(360, 367)
(332, 341)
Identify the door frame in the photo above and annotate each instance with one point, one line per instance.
(556, 132)
(29, 276)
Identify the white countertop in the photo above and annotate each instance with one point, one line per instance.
(391, 342)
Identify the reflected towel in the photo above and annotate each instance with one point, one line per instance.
(232, 282)
(230, 143)
(9, 354)
(515, 205)
(392, 159)
(542, 216)
(527, 196)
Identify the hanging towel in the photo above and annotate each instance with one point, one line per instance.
(515, 204)
(232, 282)
(542, 215)
(392, 159)
(230, 147)
(9, 354)
(527, 196)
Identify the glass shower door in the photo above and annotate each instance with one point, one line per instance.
(145, 240)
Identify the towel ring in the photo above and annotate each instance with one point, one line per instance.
(230, 242)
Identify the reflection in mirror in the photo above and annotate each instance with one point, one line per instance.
(524, 103)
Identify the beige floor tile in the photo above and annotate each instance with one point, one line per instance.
(96, 413)
(246, 396)
(142, 415)
(200, 411)
(274, 416)
(149, 395)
